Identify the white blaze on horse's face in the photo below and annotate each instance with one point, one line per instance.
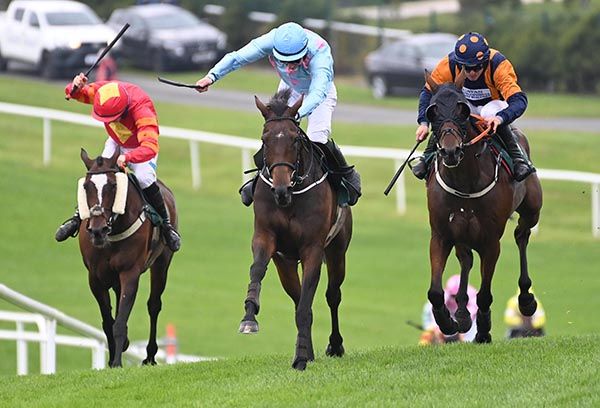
(279, 135)
(99, 181)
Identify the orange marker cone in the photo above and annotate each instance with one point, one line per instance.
(171, 344)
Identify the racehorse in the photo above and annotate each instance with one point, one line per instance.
(294, 212)
(470, 198)
(118, 243)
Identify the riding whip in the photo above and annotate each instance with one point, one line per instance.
(415, 325)
(179, 84)
(102, 54)
(395, 178)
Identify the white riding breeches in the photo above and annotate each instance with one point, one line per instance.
(319, 120)
(145, 172)
(490, 109)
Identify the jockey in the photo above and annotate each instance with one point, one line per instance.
(491, 90)
(432, 333)
(130, 120)
(304, 63)
(524, 326)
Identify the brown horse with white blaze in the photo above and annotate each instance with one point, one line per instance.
(296, 220)
(470, 198)
(118, 243)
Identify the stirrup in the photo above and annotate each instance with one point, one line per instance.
(172, 238)
(419, 169)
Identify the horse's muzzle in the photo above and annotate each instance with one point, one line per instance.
(99, 235)
(451, 157)
(283, 195)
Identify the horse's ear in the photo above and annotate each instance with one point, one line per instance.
(460, 79)
(433, 86)
(431, 113)
(112, 161)
(294, 108)
(86, 159)
(264, 109)
(463, 111)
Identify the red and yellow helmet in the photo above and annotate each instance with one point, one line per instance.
(110, 102)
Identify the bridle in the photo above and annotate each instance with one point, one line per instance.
(97, 210)
(304, 142)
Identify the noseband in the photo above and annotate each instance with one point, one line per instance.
(295, 178)
(97, 210)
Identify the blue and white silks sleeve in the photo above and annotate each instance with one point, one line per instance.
(321, 71)
(253, 51)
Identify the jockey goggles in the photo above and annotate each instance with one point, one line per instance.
(471, 68)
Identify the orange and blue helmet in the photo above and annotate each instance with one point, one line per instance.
(471, 49)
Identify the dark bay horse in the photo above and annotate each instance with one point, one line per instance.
(295, 209)
(118, 243)
(470, 198)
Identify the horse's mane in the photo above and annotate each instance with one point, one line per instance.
(279, 102)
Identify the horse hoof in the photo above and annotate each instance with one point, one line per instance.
(529, 308)
(248, 327)
(464, 321)
(483, 338)
(299, 364)
(334, 351)
(148, 361)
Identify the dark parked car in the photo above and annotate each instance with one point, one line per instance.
(167, 37)
(398, 67)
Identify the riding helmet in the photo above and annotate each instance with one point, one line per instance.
(290, 42)
(471, 49)
(110, 102)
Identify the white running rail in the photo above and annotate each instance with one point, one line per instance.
(249, 146)
(47, 319)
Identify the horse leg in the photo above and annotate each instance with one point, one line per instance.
(129, 286)
(103, 298)
(287, 269)
(263, 247)
(311, 271)
(158, 281)
(462, 315)
(484, 296)
(438, 255)
(336, 272)
(529, 215)
(117, 290)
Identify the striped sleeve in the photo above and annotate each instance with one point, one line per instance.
(146, 124)
(85, 94)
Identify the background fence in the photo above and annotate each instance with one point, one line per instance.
(249, 146)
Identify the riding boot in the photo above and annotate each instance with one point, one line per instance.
(247, 189)
(337, 161)
(522, 167)
(421, 168)
(69, 228)
(156, 200)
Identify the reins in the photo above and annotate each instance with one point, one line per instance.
(296, 179)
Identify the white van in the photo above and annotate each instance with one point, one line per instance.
(57, 37)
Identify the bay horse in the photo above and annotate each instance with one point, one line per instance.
(294, 211)
(118, 243)
(470, 198)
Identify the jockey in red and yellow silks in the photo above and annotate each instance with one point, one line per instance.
(491, 90)
(130, 120)
(137, 128)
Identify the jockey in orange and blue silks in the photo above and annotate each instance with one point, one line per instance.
(491, 90)
(130, 120)
(303, 62)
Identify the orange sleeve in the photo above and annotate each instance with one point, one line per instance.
(85, 94)
(505, 80)
(441, 74)
(146, 124)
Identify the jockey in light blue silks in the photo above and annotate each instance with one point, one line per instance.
(304, 63)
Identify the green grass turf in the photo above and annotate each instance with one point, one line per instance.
(388, 267)
(558, 371)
